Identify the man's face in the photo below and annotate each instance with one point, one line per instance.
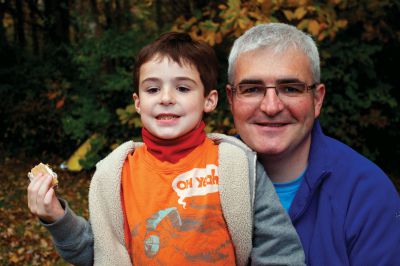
(272, 127)
(171, 98)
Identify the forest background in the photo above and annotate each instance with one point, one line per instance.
(66, 85)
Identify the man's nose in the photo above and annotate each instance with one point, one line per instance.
(271, 104)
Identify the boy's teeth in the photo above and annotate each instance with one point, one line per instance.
(165, 117)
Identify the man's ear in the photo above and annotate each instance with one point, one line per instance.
(319, 95)
(211, 101)
(229, 93)
(137, 102)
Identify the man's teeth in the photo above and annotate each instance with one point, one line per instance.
(272, 124)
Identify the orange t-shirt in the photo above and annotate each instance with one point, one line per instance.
(173, 210)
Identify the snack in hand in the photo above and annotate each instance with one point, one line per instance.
(44, 169)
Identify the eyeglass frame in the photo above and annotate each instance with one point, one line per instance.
(277, 84)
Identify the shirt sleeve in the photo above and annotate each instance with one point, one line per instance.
(73, 237)
(275, 241)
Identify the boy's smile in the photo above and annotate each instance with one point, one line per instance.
(171, 97)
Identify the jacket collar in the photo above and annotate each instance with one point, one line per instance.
(317, 172)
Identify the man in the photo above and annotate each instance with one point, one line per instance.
(344, 208)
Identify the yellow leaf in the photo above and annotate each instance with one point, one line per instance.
(288, 14)
(222, 7)
(235, 4)
(242, 23)
(255, 15)
(300, 12)
(226, 122)
(192, 20)
(313, 27)
(341, 23)
(208, 129)
(218, 37)
(303, 24)
(14, 258)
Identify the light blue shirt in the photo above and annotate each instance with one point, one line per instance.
(287, 190)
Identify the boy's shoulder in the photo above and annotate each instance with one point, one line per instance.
(120, 153)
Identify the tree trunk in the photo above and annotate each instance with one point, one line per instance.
(108, 13)
(3, 39)
(57, 20)
(20, 21)
(127, 14)
(34, 32)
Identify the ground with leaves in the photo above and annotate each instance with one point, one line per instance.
(23, 241)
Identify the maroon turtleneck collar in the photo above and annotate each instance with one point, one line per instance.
(172, 150)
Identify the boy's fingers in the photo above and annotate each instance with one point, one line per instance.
(37, 191)
(33, 190)
(48, 198)
(44, 186)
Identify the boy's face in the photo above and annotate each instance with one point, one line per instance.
(171, 98)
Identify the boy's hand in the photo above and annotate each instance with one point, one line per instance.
(42, 200)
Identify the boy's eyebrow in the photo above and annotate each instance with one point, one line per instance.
(185, 79)
(153, 79)
(150, 80)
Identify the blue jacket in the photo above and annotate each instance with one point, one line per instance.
(346, 211)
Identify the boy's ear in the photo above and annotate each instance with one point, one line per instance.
(211, 101)
(137, 102)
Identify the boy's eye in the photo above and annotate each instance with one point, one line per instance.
(183, 89)
(152, 90)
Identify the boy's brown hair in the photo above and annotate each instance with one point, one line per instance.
(181, 48)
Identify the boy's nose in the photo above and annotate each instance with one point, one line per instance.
(167, 96)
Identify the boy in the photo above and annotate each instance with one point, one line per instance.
(181, 197)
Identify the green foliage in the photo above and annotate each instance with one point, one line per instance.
(355, 95)
(103, 85)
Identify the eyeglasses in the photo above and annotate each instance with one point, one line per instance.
(285, 90)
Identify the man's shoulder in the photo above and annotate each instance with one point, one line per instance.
(351, 172)
(343, 155)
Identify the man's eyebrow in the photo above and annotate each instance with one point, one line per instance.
(251, 81)
(287, 80)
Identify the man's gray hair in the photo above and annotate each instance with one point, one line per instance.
(279, 37)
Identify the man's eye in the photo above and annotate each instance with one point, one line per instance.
(291, 88)
(182, 89)
(250, 89)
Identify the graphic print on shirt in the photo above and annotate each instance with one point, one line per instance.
(196, 182)
(167, 226)
(152, 239)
